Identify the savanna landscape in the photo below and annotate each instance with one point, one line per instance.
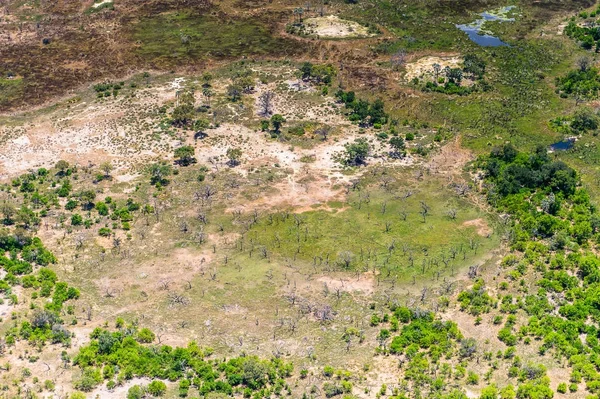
(299, 199)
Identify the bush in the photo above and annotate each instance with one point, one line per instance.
(76, 220)
(135, 392)
(146, 336)
(157, 388)
(104, 232)
(472, 378)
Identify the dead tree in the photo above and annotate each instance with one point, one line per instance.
(323, 313)
(323, 132)
(265, 103)
(177, 299)
(398, 59)
(473, 271)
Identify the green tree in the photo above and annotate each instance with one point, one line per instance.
(62, 166)
(306, 70)
(27, 217)
(87, 197)
(159, 173)
(157, 388)
(234, 155)
(254, 373)
(454, 75)
(474, 66)
(489, 392)
(183, 115)
(584, 120)
(246, 83)
(185, 155)
(398, 147)
(106, 168)
(277, 121)
(8, 211)
(355, 153)
(102, 208)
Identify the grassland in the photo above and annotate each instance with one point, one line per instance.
(285, 252)
(184, 36)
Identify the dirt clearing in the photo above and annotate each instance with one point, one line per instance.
(481, 225)
(334, 27)
(423, 67)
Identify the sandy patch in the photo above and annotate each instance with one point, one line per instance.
(119, 391)
(87, 133)
(423, 67)
(482, 227)
(103, 2)
(333, 26)
(364, 284)
(450, 160)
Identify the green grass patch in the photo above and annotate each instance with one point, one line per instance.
(176, 37)
(10, 89)
(380, 230)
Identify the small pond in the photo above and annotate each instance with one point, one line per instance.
(478, 35)
(563, 145)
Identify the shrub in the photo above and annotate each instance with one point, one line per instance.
(135, 392)
(157, 388)
(145, 336)
(76, 220)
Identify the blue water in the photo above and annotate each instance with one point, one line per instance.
(563, 145)
(475, 31)
(483, 40)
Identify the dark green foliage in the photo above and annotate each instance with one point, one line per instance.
(102, 208)
(64, 189)
(582, 83)
(587, 36)
(185, 155)
(71, 204)
(157, 388)
(512, 172)
(362, 111)
(398, 147)
(424, 332)
(474, 66)
(76, 220)
(475, 300)
(355, 153)
(159, 173)
(320, 74)
(123, 349)
(277, 120)
(86, 198)
(584, 120)
(106, 89)
(567, 271)
(45, 324)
